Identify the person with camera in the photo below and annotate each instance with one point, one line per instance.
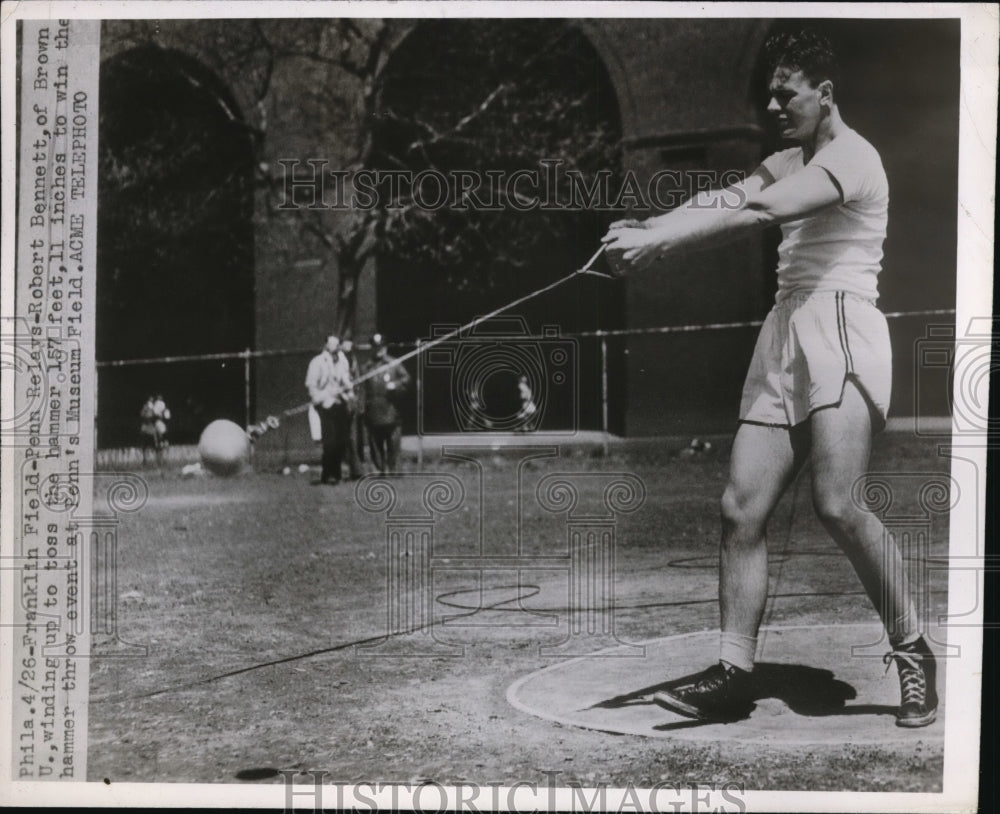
(383, 392)
(355, 433)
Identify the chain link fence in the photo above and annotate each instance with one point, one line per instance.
(680, 378)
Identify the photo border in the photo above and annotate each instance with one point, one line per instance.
(977, 139)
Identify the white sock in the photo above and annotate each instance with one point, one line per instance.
(738, 650)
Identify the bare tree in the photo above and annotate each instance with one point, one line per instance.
(472, 95)
(454, 95)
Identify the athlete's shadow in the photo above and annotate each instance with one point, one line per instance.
(807, 691)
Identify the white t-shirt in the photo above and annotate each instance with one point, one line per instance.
(839, 248)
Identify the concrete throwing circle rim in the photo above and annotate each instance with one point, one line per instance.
(875, 729)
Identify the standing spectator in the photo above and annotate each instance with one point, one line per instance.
(529, 410)
(383, 392)
(331, 391)
(355, 444)
(476, 417)
(154, 416)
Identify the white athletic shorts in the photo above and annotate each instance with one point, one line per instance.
(809, 346)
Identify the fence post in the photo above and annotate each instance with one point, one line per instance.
(420, 415)
(246, 387)
(604, 392)
(97, 404)
(246, 394)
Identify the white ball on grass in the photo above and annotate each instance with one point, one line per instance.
(224, 448)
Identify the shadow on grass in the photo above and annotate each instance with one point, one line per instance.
(263, 773)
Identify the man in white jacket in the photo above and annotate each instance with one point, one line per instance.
(331, 392)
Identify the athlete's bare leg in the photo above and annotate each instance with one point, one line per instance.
(841, 441)
(764, 461)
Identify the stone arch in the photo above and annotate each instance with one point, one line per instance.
(175, 241)
(582, 305)
(611, 58)
(602, 44)
(203, 44)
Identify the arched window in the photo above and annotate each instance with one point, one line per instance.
(175, 242)
(529, 101)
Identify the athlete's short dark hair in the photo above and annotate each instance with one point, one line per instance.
(805, 50)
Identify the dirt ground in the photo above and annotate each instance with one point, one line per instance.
(250, 594)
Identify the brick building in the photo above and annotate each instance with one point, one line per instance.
(688, 97)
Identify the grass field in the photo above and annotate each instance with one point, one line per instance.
(251, 592)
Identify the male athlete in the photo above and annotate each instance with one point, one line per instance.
(820, 375)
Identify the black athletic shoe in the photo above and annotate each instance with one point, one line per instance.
(917, 683)
(722, 693)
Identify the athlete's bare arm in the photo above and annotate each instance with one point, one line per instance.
(710, 219)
